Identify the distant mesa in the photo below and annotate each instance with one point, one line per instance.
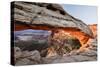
(28, 35)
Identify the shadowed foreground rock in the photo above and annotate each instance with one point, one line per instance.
(26, 57)
(33, 57)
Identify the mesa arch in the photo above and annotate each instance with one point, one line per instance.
(44, 16)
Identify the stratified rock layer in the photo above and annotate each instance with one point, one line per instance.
(45, 16)
(48, 16)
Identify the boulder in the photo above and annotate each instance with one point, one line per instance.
(34, 55)
(17, 52)
(28, 57)
(24, 61)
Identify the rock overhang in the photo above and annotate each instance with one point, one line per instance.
(46, 16)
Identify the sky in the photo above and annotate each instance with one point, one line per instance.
(88, 14)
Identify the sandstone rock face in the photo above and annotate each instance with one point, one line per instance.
(47, 15)
(23, 62)
(93, 41)
(93, 27)
(34, 57)
(17, 52)
(74, 56)
(79, 35)
(61, 43)
(68, 35)
(27, 57)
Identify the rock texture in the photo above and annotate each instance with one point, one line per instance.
(34, 57)
(62, 43)
(27, 57)
(38, 15)
(74, 56)
(93, 41)
(68, 35)
(93, 27)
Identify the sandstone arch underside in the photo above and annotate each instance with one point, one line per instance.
(46, 16)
